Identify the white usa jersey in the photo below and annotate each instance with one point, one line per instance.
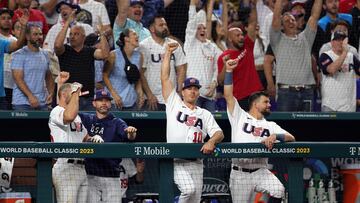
(185, 125)
(153, 53)
(338, 91)
(247, 129)
(127, 170)
(73, 132)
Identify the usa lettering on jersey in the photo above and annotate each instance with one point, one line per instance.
(97, 129)
(157, 58)
(189, 120)
(256, 131)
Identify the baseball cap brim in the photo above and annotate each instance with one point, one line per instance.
(193, 85)
(105, 97)
(133, 3)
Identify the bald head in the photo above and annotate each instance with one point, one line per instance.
(236, 38)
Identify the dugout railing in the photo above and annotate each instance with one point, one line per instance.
(294, 152)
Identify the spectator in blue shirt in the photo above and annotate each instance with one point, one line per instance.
(8, 45)
(30, 67)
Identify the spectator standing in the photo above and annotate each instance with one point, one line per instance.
(201, 57)
(36, 17)
(241, 46)
(5, 33)
(339, 68)
(292, 50)
(187, 123)
(104, 174)
(97, 16)
(78, 59)
(65, 8)
(323, 34)
(341, 26)
(30, 68)
(129, 15)
(153, 49)
(125, 94)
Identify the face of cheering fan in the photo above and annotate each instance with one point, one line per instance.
(132, 39)
(236, 37)
(201, 32)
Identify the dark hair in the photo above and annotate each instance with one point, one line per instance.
(121, 40)
(256, 95)
(91, 39)
(339, 22)
(214, 34)
(152, 20)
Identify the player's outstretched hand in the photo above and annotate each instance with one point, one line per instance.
(96, 139)
(269, 141)
(231, 64)
(131, 132)
(208, 148)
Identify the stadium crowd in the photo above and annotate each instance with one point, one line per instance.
(304, 62)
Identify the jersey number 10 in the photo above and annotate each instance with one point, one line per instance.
(197, 137)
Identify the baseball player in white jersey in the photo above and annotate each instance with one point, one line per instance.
(187, 123)
(129, 170)
(153, 49)
(251, 175)
(69, 176)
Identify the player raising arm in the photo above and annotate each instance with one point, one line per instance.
(249, 127)
(187, 123)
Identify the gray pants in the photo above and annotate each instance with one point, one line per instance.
(103, 189)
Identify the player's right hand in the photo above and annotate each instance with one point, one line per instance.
(231, 64)
(96, 139)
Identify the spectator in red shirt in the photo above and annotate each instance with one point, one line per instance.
(36, 17)
(241, 47)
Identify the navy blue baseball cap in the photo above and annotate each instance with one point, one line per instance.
(102, 94)
(134, 2)
(189, 82)
(69, 3)
(339, 35)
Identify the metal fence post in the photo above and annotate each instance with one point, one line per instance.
(296, 183)
(166, 191)
(44, 192)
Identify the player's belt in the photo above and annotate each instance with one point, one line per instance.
(73, 161)
(247, 170)
(295, 87)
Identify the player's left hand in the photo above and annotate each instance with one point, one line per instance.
(208, 148)
(269, 141)
(131, 132)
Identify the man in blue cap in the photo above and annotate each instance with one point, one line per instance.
(103, 174)
(187, 123)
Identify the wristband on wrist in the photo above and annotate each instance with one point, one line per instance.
(228, 78)
(280, 137)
